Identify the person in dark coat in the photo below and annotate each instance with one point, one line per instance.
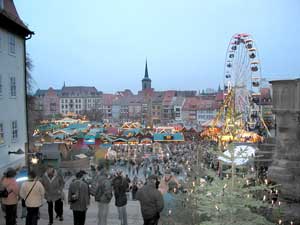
(79, 198)
(151, 200)
(53, 183)
(120, 186)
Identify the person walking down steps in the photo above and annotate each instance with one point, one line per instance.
(103, 196)
(54, 185)
(32, 191)
(9, 195)
(79, 198)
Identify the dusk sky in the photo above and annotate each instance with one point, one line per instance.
(105, 43)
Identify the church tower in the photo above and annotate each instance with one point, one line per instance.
(146, 82)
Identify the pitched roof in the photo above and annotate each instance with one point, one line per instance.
(108, 99)
(10, 14)
(80, 90)
(168, 97)
(191, 103)
(43, 92)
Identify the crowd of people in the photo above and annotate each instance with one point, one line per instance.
(152, 180)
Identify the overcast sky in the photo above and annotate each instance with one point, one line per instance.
(104, 43)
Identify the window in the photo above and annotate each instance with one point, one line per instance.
(12, 44)
(13, 87)
(14, 128)
(1, 5)
(1, 133)
(53, 107)
(1, 84)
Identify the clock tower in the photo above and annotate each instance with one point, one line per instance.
(146, 82)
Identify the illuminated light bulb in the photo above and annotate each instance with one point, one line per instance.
(292, 223)
(170, 212)
(279, 203)
(280, 222)
(247, 182)
(217, 208)
(266, 181)
(187, 199)
(276, 191)
(194, 184)
(252, 169)
(248, 196)
(34, 160)
(264, 198)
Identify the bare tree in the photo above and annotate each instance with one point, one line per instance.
(33, 114)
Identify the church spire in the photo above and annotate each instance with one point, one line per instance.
(146, 82)
(146, 70)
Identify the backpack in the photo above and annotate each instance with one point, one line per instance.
(104, 192)
(75, 196)
(4, 193)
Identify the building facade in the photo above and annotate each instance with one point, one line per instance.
(13, 115)
(47, 101)
(79, 99)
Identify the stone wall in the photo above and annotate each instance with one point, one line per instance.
(285, 168)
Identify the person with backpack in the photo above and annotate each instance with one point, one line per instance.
(32, 191)
(54, 184)
(9, 194)
(79, 198)
(120, 186)
(103, 196)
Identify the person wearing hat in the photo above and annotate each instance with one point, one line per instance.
(10, 202)
(151, 200)
(54, 184)
(79, 198)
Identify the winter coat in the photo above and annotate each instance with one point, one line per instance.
(36, 196)
(104, 191)
(53, 187)
(120, 186)
(81, 189)
(96, 181)
(13, 189)
(151, 199)
(170, 204)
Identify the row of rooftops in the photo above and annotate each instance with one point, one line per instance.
(166, 99)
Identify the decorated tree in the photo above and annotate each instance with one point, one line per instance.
(231, 196)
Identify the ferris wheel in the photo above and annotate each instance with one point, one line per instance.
(242, 76)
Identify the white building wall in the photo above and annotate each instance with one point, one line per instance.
(12, 108)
